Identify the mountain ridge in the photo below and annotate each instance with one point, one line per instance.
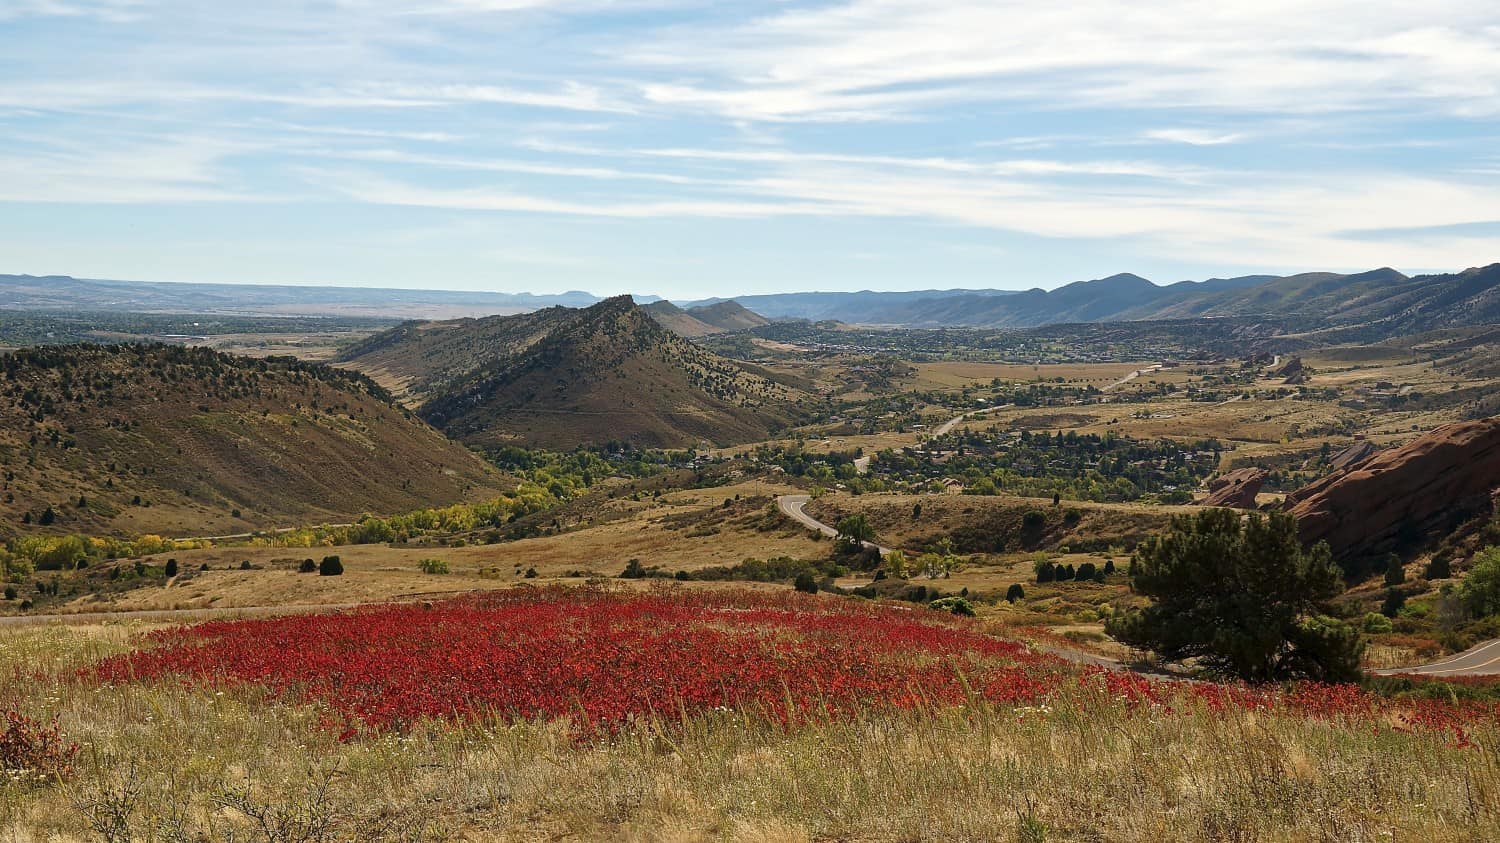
(566, 377)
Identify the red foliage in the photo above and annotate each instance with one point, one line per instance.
(601, 659)
(604, 660)
(32, 751)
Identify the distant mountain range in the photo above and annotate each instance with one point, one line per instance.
(563, 377)
(1382, 301)
(62, 292)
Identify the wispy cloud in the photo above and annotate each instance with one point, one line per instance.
(1194, 137)
(865, 59)
(1324, 133)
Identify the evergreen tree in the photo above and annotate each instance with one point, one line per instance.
(1244, 597)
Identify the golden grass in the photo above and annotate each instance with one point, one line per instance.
(168, 763)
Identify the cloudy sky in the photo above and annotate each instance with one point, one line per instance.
(692, 149)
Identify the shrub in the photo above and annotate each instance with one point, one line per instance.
(1395, 572)
(634, 570)
(1109, 567)
(531, 573)
(1014, 593)
(10, 592)
(1086, 571)
(32, 752)
(245, 565)
(956, 605)
(1045, 571)
(1033, 519)
(1376, 623)
(1440, 568)
(171, 569)
(1395, 601)
(1481, 588)
(432, 566)
(331, 566)
(683, 576)
(805, 583)
(307, 567)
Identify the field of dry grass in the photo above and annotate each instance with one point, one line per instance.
(163, 761)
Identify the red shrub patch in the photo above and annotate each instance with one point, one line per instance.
(604, 660)
(598, 658)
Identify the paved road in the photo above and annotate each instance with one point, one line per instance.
(1483, 660)
(791, 506)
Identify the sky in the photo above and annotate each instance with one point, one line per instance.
(692, 149)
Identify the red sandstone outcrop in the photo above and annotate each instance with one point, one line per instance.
(1429, 485)
(1236, 490)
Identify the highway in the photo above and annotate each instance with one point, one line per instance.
(1481, 660)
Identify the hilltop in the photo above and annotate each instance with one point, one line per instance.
(187, 441)
(703, 320)
(562, 377)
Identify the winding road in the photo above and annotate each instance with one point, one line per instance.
(1480, 660)
(791, 506)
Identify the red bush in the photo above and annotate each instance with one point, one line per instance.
(33, 752)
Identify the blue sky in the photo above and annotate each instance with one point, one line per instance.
(691, 149)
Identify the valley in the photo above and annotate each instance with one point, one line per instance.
(621, 458)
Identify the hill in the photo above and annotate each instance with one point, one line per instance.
(679, 321)
(188, 441)
(728, 316)
(564, 377)
(703, 320)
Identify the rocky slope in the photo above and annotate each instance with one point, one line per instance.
(1399, 497)
(1236, 489)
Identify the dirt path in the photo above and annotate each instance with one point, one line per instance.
(208, 613)
(947, 427)
(1132, 376)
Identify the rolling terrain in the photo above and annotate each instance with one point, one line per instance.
(163, 439)
(723, 317)
(563, 377)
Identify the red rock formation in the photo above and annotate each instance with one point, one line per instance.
(1353, 455)
(1236, 490)
(1429, 485)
